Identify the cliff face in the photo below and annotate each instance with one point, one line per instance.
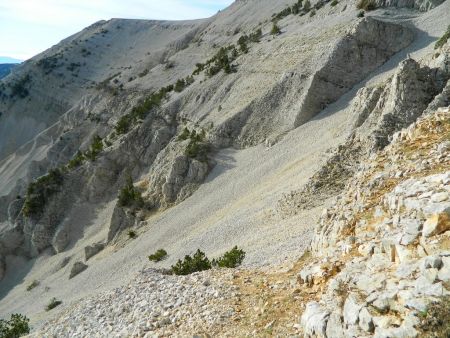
(228, 133)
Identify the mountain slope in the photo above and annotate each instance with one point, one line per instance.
(241, 153)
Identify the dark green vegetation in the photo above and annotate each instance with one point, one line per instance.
(367, 5)
(5, 69)
(95, 149)
(275, 29)
(199, 262)
(40, 191)
(129, 196)
(334, 3)
(443, 39)
(76, 161)
(230, 259)
(32, 285)
(197, 147)
(16, 326)
(360, 14)
(19, 87)
(132, 234)
(435, 322)
(158, 256)
(53, 303)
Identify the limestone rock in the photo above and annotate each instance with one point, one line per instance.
(77, 268)
(92, 250)
(314, 321)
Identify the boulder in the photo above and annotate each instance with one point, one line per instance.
(437, 224)
(92, 250)
(314, 320)
(77, 268)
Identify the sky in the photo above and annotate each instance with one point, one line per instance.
(28, 27)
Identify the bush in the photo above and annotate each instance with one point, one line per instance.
(32, 285)
(158, 255)
(18, 88)
(123, 125)
(442, 41)
(230, 259)
(184, 135)
(334, 3)
(199, 262)
(307, 6)
(275, 29)
(16, 326)
(312, 13)
(76, 161)
(360, 14)
(132, 234)
(95, 149)
(129, 196)
(40, 191)
(53, 303)
(179, 85)
(367, 5)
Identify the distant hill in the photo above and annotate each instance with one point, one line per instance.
(5, 69)
(7, 59)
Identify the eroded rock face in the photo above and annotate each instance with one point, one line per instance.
(421, 5)
(366, 46)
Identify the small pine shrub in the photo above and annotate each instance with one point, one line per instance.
(312, 13)
(32, 285)
(198, 262)
(275, 29)
(158, 255)
(180, 85)
(129, 196)
(367, 5)
(15, 327)
(132, 234)
(307, 6)
(334, 3)
(40, 191)
(95, 149)
(230, 259)
(184, 135)
(76, 161)
(53, 303)
(442, 41)
(123, 125)
(360, 14)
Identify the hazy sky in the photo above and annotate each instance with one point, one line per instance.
(28, 27)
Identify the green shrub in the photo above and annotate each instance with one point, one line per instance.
(132, 234)
(367, 5)
(95, 149)
(19, 89)
(443, 39)
(360, 14)
(230, 259)
(32, 285)
(53, 303)
(307, 6)
(312, 13)
(180, 85)
(40, 191)
(76, 161)
(129, 196)
(184, 135)
(199, 262)
(242, 42)
(158, 255)
(334, 3)
(123, 125)
(256, 36)
(15, 327)
(275, 29)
